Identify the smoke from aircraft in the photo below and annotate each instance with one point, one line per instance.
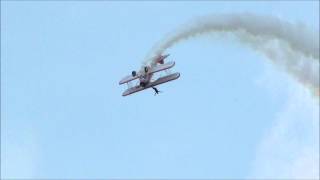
(291, 46)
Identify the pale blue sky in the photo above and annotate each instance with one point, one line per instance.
(62, 113)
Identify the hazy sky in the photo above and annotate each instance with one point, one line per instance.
(231, 114)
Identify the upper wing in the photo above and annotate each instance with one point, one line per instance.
(128, 78)
(157, 68)
(162, 67)
(157, 82)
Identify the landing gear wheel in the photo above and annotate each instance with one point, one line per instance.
(146, 69)
(142, 84)
(134, 73)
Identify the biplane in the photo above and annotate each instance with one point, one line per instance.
(145, 75)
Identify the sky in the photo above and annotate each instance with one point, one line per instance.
(231, 114)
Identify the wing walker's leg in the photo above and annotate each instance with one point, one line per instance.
(156, 91)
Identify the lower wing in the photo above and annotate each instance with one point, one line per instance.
(154, 83)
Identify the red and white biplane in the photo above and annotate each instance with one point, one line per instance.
(145, 76)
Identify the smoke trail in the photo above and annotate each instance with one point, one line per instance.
(292, 46)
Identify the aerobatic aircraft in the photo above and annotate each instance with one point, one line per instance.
(145, 76)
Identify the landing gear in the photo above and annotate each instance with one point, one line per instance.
(143, 84)
(134, 73)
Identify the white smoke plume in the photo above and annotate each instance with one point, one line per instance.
(291, 46)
